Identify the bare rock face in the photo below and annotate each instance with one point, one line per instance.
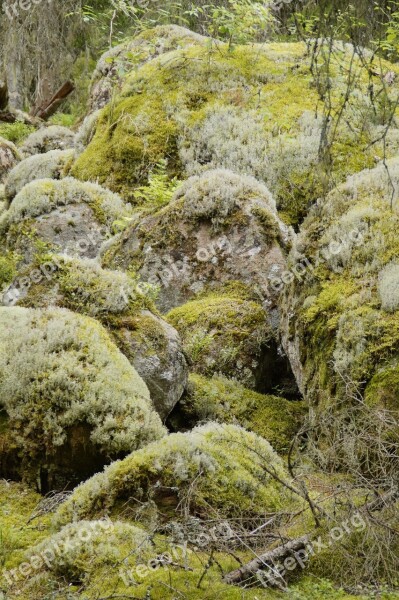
(219, 227)
(49, 138)
(9, 157)
(134, 53)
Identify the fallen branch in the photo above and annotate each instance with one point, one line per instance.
(49, 107)
(267, 560)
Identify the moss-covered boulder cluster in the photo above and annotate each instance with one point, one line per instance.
(248, 109)
(188, 288)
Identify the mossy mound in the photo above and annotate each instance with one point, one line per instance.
(220, 399)
(98, 559)
(132, 54)
(227, 332)
(65, 216)
(17, 505)
(45, 139)
(225, 462)
(123, 304)
(51, 165)
(67, 392)
(249, 109)
(219, 227)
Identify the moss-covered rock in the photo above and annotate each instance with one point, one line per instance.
(225, 461)
(9, 157)
(67, 392)
(134, 53)
(51, 165)
(341, 323)
(219, 227)
(122, 303)
(45, 139)
(227, 333)
(249, 109)
(65, 216)
(220, 399)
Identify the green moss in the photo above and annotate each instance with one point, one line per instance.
(189, 107)
(383, 389)
(220, 399)
(8, 268)
(223, 332)
(225, 461)
(16, 132)
(17, 505)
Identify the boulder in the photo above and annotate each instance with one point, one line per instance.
(251, 109)
(51, 165)
(134, 53)
(225, 461)
(219, 227)
(124, 305)
(72, 402)
(63, 216)
(53, 137)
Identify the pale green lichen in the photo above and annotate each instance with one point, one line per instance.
(51, 165)
(45, 195)
(59, 370)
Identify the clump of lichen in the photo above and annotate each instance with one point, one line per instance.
(64, 385)
(45, 139)
(51, 165)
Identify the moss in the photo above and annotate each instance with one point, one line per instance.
(41, 197)
(81, 392)
(224, 460)
(8, 268)
(189, 106)
(383, 389)
(16, 132)
(223, 333)
(17, 505)
(220, 399)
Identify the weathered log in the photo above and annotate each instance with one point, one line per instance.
(49, 107)
(267, 560)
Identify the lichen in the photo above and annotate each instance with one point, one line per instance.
(73, 377)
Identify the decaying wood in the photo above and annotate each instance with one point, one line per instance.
(280, 553)
(268, 559)
(49, 107)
